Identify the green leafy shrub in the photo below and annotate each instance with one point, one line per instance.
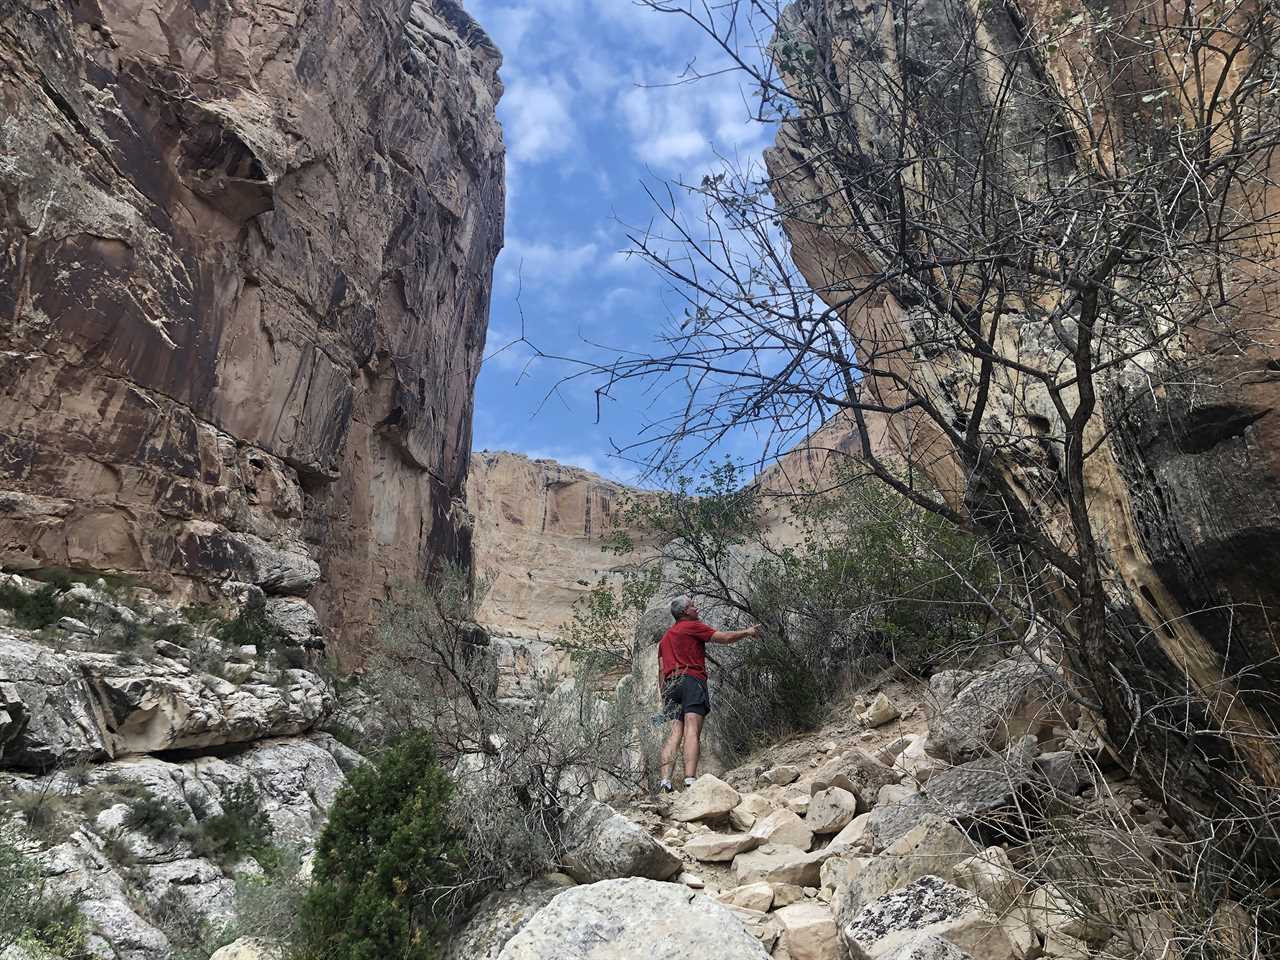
(42, 810)
(386, 861)
(32, 611)
(157, 818)
(31, 915)
(241, 830)
(252, 627)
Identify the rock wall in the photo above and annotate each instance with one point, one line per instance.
(540, 529)
(1184, 484)
(245, 262)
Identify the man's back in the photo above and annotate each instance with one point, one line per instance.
(682, 649)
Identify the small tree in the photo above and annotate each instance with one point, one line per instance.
(388, 862)
(847, 581)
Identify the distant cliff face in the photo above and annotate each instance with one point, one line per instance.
(540, 530)
(245, 263)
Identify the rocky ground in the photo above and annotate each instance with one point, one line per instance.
(917, 825)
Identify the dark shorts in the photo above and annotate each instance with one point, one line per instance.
(685, 694)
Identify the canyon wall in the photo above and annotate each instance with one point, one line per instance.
(245, 263)
(1182, 477)
(540, 532)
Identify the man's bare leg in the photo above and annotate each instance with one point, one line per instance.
(668, 754)
(692, 731)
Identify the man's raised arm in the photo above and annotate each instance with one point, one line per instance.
(733, 636)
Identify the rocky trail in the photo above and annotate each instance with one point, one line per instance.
(860, 840)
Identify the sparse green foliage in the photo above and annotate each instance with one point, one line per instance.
(32, 611)
(241, 830)
(385, 855)
(31, 914)
(601, 632)
(157, 818)
(251, 627)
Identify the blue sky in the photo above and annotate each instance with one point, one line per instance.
(593, 110)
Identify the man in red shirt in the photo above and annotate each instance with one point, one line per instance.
(682, 683)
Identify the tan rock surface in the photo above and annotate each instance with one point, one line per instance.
(244, 295)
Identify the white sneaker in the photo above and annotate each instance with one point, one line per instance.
(664, 786)
(689, 782)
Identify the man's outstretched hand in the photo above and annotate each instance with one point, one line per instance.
(753, 630)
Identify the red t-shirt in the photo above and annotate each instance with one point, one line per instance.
(682, 649)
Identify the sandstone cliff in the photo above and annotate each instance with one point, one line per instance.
(1178, 487)
(245, 261)
(540, 530)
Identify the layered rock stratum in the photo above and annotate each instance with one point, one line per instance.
(245, 262)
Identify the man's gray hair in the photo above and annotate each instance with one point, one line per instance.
(679, 605)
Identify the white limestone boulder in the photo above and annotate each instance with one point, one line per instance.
(807, 931)
(783, 827)
(719, 847)
(708, 799)
(626, 919)
(831, 810)
(601, 844)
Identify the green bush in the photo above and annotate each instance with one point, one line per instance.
(386, 862)
(159, 819)
(241, 830)
(251, 627)
(32, 611)
(32, 915)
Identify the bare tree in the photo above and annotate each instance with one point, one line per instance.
(1030, 244)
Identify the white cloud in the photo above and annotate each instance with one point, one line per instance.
(539, 123)
(537, 263)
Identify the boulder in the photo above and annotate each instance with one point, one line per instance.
(925, 946)
(287, 569)
(972, 794)
(926, 906)
(797, 800)
(913, 761)
(601, 844)
(854, 835)
(753, 896)
(295, 617)
(781, 776)
(785, 894)
(831, 810)
(1061, 947)
(248, 948)
(932, 847)
(783, 827)
(856, 771)
(881, 711)
(625, 919)
(500, 916)
(718, 846)
(807, 932)
(895, 793)
(837, 871)
(776, 863)
(164, 705)
(972, 713)
(708, 799)
(759, 924)
(750, 808)
(990, 876)
(1051, 910)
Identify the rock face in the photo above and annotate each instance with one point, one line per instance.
(91, 706)
(128, 880)
(540, 526)
(623, 919)
(245, 260)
